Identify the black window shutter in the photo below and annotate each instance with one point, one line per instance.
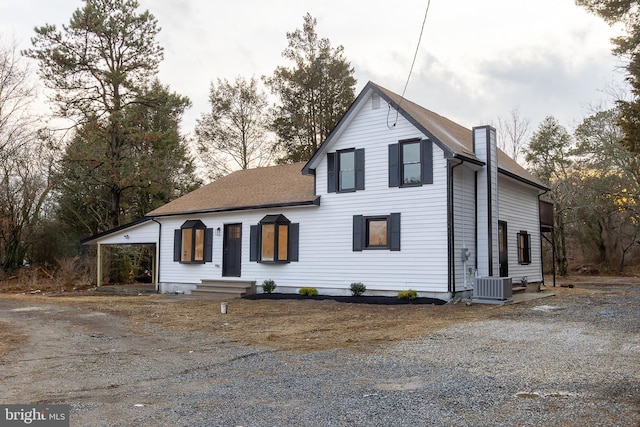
(427, 162)
(520, 251)
(177, 244)
(358, 232)
(331, 172)
(254, 242)
(394, 234)
(208, 245)
(294, 232)
(528, 250)
(394, 170)
(360, 169)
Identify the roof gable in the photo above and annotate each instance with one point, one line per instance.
(455, 140)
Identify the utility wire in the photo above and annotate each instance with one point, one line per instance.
(415, 55)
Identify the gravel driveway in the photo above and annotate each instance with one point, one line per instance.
(570, 360)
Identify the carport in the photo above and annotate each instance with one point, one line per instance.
(142, 236)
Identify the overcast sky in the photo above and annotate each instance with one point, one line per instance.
(477, 61)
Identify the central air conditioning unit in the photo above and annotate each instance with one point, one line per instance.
(492, 288)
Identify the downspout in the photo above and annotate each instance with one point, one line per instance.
(158, 253)
(450, 230)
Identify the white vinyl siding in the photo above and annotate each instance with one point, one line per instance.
(519, 209)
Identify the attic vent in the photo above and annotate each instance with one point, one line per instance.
(375, 101)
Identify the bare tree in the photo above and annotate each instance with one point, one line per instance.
(513, 133)
(24, 162)
(234, 134)
(16, 96)
(24, 188)
(608, 190)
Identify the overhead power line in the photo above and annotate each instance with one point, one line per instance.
(415, 55)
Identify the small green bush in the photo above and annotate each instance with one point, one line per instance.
(409, 294)
(268, 286)
(358, 289)
(308, 292)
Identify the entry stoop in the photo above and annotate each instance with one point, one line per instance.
(518, 289)
(224, 289)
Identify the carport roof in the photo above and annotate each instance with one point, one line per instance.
(90, 240)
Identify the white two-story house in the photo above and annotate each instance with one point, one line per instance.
(397, 197)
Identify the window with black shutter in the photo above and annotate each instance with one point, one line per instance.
(411, 163)
(376, 232)
(345, 171)
(193, 243)
(274, 240)
(524, 248)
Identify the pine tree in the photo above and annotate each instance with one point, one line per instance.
(102, 66)
(314, 93)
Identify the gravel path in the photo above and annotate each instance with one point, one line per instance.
(563, 361)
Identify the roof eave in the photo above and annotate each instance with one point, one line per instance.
(469, 159)
(523, 180)
(314, 202)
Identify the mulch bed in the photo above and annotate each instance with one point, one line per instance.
(348, 299)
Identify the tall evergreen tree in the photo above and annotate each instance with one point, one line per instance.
(626, 12)
(548, 155)
(100, 67)
(155, 165)
(314, 93)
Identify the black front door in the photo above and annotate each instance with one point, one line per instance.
(503, 255)
(232, 250)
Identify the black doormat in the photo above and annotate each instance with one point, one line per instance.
(348, 299)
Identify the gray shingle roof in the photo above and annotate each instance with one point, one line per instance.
(282, 185)
(455, 137)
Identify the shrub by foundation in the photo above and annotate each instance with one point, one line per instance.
(357, 289)
(268, 286)
(308, 292)
(409, 294)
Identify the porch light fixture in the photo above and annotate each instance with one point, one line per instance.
(218, 231)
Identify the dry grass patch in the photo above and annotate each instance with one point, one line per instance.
(291, 325)
(10, 338)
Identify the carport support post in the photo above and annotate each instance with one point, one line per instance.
(99, 269)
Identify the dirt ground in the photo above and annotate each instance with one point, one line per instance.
(288, 325)
(76, 334)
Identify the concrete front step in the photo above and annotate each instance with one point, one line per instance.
(195, 295)
(224, 289)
